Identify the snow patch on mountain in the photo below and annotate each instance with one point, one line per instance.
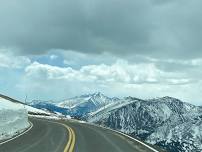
(97, 99)
(106, 110)
(49, 107)
(166, 122)
(84, 105)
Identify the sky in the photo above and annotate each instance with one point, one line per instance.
(52, 50)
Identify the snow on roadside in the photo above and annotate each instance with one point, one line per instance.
(51, 117)
(36, 111)
(13, 119)
(39, 113)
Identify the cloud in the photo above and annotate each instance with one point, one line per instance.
(119, 72)
(8, 60)
(120, 78)
(148, 47)
(123, 28)
(78, 59)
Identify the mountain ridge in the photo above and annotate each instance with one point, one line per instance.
(167, 122)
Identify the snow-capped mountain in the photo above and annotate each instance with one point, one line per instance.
(106, 110)
(49, 106)
(90, 102)
(79, 106)
(166, 122)
(85, 104)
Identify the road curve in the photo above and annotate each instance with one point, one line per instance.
(71, 136)
(45, 136)
(90, 138)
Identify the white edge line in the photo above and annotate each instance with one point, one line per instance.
(31, 125)
(154, 150)
(132, 139)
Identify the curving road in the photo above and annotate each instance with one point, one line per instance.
(43, 137)
(91, 138)
(71, 136)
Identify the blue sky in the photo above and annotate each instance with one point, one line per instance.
(54, 50)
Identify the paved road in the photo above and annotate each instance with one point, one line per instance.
(91, 138)
(71, 136)
(43, 137)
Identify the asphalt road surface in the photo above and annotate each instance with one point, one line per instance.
(90, 138)
(71, 136)
(43, 137)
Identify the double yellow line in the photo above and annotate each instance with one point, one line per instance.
(71, 142)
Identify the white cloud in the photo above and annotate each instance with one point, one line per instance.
(192, 62)
(119, 72)
(46, 71)
(121, 78)
(77, 59)
(8, 60)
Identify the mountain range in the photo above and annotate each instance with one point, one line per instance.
(166, 122)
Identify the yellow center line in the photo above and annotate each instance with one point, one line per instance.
(71, 141)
